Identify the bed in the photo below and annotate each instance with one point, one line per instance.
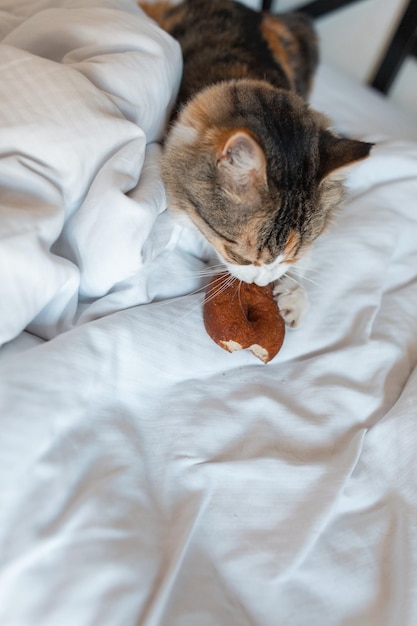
(148, 477)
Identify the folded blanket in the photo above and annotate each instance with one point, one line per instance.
(85, 93)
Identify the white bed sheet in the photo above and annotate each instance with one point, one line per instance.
(148, 477)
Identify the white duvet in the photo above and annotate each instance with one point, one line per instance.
(146, 476)
(85, 93)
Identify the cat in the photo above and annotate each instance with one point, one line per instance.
(246, 159)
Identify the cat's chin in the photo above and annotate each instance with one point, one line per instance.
(260, 275)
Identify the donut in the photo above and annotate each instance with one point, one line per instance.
(243, 316)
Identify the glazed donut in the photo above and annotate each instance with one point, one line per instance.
(240, 316)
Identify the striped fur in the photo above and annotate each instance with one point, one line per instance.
(246, 159)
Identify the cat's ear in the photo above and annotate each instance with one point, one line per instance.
(241, 160)
(336, 152)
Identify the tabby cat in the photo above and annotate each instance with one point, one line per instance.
(246, 159)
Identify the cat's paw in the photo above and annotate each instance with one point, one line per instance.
(292, 301)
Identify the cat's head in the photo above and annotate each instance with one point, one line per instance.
(258, 172)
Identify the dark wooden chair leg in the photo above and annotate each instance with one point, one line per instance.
(401, 45)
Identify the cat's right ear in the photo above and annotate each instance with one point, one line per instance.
(336, 152)
(241, 161)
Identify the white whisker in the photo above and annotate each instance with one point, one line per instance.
(198, 273)
(216, 287)
(223, 283)
(169, 301)
(289, 277)
(302, 276)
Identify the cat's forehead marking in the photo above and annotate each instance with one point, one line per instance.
(246, 250)
(293, 241)
(292, 246)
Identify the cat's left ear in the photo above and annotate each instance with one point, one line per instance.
(336, 152)
(241, 160)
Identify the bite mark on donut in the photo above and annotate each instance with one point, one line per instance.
(256, 349)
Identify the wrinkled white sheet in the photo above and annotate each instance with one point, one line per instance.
(148, 477)
(84, 95)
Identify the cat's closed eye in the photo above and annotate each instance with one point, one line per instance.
(236, 258)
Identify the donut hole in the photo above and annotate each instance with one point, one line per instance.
(253, 314)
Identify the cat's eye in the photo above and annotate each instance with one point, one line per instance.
(236, 258)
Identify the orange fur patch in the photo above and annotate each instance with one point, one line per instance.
(218, 137)
(158, 12)
(155, 10)
(291, 246)
(275, 34)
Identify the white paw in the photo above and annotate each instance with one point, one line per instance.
(292, 301)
